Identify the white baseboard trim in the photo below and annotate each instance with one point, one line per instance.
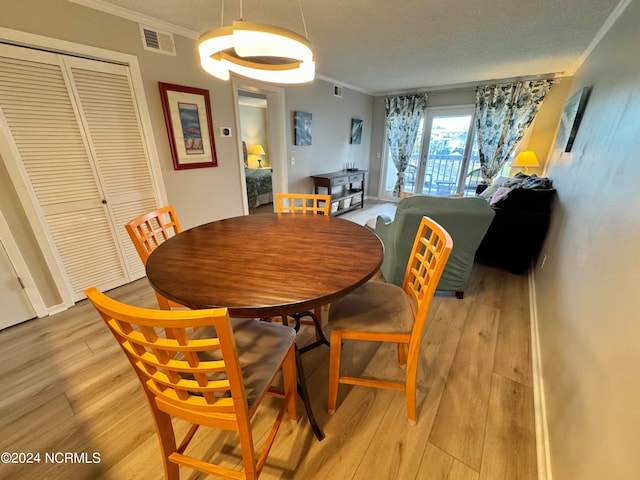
(61, 307)
(539, 405)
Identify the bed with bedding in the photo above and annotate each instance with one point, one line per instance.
(259, 186)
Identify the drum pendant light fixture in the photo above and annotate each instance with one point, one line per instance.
(262, 52)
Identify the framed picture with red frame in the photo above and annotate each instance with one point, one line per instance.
(187, 113)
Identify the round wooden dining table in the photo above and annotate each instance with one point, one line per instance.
(265, 265)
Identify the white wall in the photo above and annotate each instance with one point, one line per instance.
(253, 130)
(330, 130)
(587, 294)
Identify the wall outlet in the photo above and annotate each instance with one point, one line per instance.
(292, 160)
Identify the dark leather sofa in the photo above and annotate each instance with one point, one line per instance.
(518, 229)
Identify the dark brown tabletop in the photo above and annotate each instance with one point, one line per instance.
(266, 264)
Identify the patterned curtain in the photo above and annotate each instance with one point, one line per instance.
(503, 113)
(403, 119)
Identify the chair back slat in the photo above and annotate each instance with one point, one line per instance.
(303, 203)
(150, 230)
(431, 250)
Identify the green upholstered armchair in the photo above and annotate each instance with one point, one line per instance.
(465, 218)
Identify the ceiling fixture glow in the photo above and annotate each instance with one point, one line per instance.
(258, 51)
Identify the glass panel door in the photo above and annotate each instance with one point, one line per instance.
(447, 151)
(445, 156)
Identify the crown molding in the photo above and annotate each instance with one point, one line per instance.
(615, 14)
(137, 17)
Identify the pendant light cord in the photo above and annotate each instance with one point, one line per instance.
(304, 24)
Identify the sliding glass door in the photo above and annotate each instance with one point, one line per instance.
(445, 157)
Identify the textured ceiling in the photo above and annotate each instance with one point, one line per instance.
(381, 46)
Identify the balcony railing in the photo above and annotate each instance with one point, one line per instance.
(441, 177)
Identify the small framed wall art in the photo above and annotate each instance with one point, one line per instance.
(570, 120)
(187, 113)
(302, 124)
(356, 131)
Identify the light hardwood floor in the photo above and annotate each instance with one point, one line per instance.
(66, 387)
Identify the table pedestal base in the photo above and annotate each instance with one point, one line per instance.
(304, 395)
(316, 322)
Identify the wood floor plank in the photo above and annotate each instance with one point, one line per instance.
(509, 445)
(350, 430)
(438, 465)
(460, 423)
(513, 348)
(450, 310)
(399, 447)
(460, 471)
(486, 286)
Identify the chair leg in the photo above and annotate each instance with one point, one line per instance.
(163, 303)
(334, 370)
(459, 295)
(247, 448)
(410, 391)
(167, 439)
(402, 354)
(318, 313)
(290, 384)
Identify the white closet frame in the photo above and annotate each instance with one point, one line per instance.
(18, 175)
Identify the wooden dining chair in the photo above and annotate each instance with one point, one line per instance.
(148, 232)
(303, 203)
(215, 377)
(384, 312)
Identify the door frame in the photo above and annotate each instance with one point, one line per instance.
(16, 170)
(276, 133)
(20, 266)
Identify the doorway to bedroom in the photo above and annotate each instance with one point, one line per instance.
(252, 109)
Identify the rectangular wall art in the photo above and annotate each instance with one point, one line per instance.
(570, 120)
(302, 121)
(356, 131)
(187, 113)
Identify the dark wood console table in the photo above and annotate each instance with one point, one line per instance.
(346, 188)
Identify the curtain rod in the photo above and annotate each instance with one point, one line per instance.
(472, 85)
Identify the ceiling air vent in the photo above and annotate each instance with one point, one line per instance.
(157, 40)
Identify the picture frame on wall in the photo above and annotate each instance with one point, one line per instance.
(570, 120)
(356, 131)
(302, 126)
(187, 114)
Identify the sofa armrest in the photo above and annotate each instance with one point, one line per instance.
(383, 221)
(385, 229)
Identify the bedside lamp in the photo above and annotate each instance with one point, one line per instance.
(525, 160)
(259, 151)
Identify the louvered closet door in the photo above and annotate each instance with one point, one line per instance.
(48, 129)
(114, 132)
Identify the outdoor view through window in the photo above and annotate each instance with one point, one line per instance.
(450, 161)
